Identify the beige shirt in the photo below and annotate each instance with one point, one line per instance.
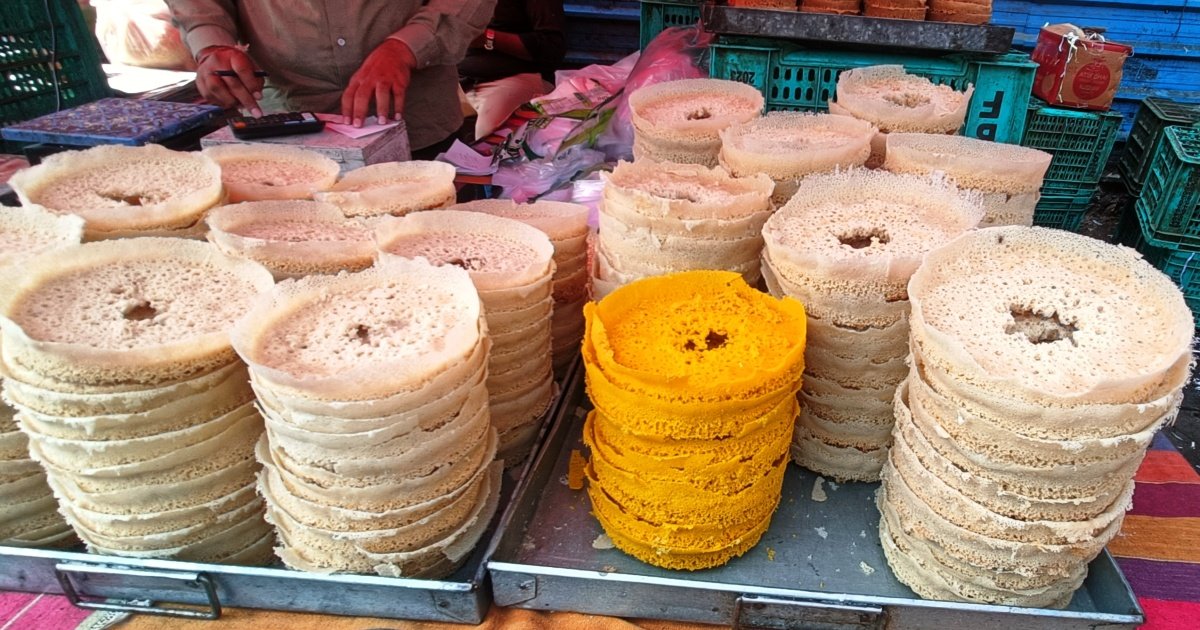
(311, 48)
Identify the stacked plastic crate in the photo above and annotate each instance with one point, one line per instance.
(659, 15)
(794, 77)
(1081, 143)
(1165, 222)
(49, 60)
(1145, 137)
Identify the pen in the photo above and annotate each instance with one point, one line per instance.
(231, 73)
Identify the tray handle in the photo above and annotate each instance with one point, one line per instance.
(64, 570)
(770, 613)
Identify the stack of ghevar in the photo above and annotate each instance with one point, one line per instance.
(292, 238)
(1009, 177)
(961, 11)
(845, 247)
(512, 266)
(681, 121)
(119, 364)
(28, 231)
(659, 218)
(895, 9)
(694, 378)
(895, 101)
(1043, 363)
(262, 172)
(836, 7)
(567, 226)
(378, 452)
(788, 146)
(393, 188)
(28, 513)
(125, 191)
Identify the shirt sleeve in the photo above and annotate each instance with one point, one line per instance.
(440, 32)
(205, 23)
(546, 41)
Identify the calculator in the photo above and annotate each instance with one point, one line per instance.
(271, 125)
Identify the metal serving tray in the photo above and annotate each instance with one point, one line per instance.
(819, 565)
(200, 590)
(859, 31)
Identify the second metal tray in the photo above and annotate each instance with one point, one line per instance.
(820, 565)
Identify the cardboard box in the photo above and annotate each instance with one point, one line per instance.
(1077, 68)
(349, 153)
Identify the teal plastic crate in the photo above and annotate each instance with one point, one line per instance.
(659, 16)
(1063, 212)
(792, 77)
(44, 44)
(1181, 265)
(1170, 200)
(1153, 118)
(1080, 141)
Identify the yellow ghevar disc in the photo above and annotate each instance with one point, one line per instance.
(694, 379)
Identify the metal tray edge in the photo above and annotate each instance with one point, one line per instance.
(468, 600)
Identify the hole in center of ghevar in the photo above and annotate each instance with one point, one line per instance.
(1040, 328)
(125, 198)
(712, 341)
(859, 239)
(139, 311)
(907, 99)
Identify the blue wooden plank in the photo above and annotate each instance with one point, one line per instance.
(1165, 35)
(1161, 28)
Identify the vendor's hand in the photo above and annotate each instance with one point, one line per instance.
(243, 90)
(384, 77)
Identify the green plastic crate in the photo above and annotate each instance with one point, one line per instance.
(39, 43)
(1170, 199)
(792, 77)
(659, 16)
(1181, 265)
(1063, 212)
(1080, 141)
(1153, 118)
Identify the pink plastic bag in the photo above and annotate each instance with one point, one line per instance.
(677, 53)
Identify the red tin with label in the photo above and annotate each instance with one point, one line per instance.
(1077, 68)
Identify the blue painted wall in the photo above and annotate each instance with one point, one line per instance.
(1165, 35)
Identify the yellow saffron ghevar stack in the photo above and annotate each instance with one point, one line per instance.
(694, 378)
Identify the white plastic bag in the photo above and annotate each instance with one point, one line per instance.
(140, 33)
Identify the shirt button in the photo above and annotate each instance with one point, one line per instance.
(341, 41)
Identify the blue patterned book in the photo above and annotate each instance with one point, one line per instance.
(113, 121)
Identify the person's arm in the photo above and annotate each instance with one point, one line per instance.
(545, 42)
(437, 34)
(209, 28)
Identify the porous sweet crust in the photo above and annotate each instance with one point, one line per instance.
(28, 231)
(258, 172)
(357, 336)
(789, 145)
(144, 310)
(119, 188)
(393, 188)
(895, 101)
(972, 163)
(292, 238)
(679, 121)
(1050, 316)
